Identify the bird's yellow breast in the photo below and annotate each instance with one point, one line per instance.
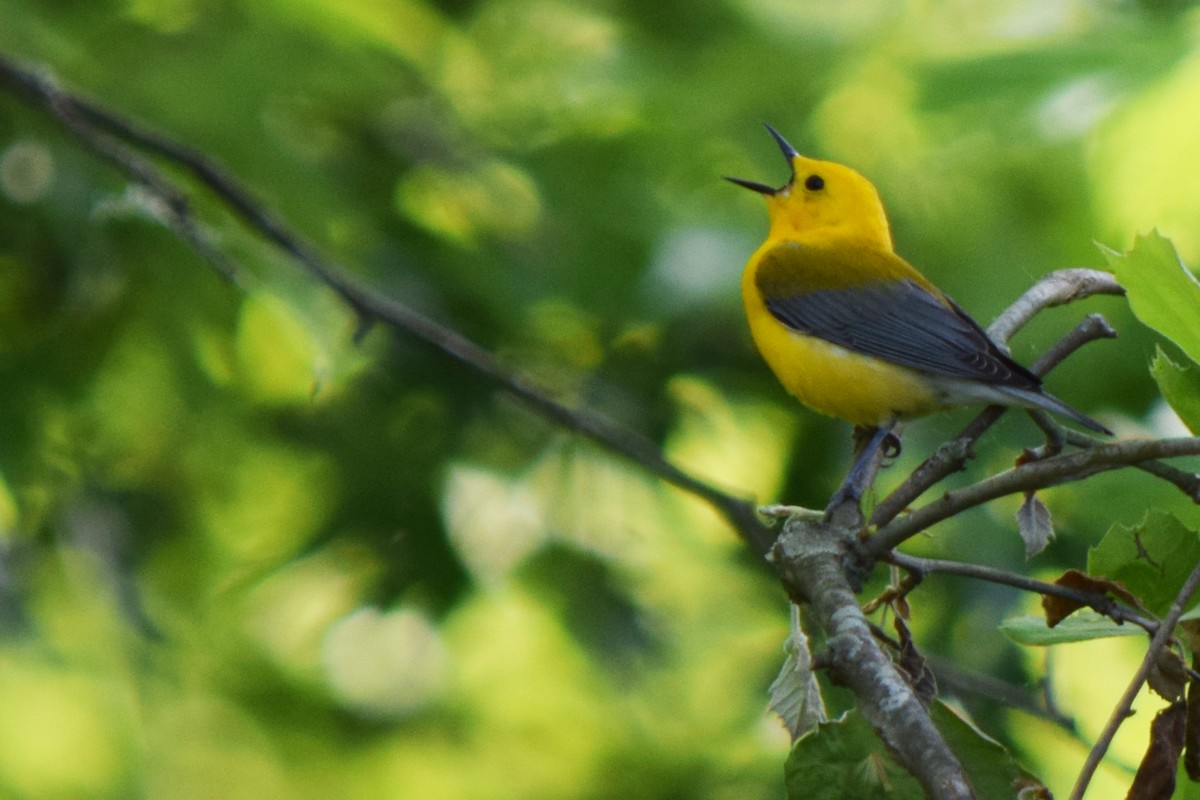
(831, 379)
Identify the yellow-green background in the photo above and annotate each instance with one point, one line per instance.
(243, 557)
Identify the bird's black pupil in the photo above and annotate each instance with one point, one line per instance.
(814, 182)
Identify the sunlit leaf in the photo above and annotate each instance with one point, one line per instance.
(1180, 385)
(413, 29)
(492, 522)
(464, 205)
(385, 664)
(9, 512)
(1137, 152)
(65, 730)
(1079, 627)
(991, 767)
(277, 353)
(1163, 293)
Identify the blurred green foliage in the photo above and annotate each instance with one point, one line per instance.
(242, 555)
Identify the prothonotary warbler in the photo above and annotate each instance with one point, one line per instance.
(854, 331)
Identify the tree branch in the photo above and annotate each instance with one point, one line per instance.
(1027, 477)
(1056, 289)
(165, 201)
(1101, 603)
(1186, 482)
(809, 555)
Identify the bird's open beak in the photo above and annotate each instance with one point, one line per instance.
(753, 186)
(789, 153)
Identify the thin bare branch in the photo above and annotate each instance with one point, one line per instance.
(1056, 289)
(1027, 477)
(163, 199)
(1089, 329)
(1102, 603)
(1186, 482)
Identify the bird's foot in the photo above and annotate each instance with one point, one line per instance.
(868, 443)
(890, 446)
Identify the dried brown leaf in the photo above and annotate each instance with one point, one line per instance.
(1155, 779)
(1168, 676)
(1191, 736)
(920, 676)
(1059, 608)
(1030, 789)
(1035, 524)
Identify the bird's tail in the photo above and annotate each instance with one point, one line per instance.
(1048, 402)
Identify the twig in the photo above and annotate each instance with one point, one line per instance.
(167, 203)
(78, 114)
(1089, 329)
(1186, 482)
(1027, 477)
(1102, 603)
(1056, 289)
(1123, 708)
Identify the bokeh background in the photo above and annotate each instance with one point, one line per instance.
(243, 556)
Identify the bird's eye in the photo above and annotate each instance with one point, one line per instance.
(814, 183)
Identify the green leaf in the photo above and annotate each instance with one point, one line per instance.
(1180, 385)
(1081, 626)
(992, 769)
(1152, 559)
(844, 758)
(1163, 294)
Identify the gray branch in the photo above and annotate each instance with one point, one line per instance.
(1027, 477)
(810, 555)
(1056, 289)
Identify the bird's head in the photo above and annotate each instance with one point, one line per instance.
(824, 197)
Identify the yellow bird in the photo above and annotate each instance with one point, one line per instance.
(854, 331)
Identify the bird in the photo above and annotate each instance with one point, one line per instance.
(854, 331)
